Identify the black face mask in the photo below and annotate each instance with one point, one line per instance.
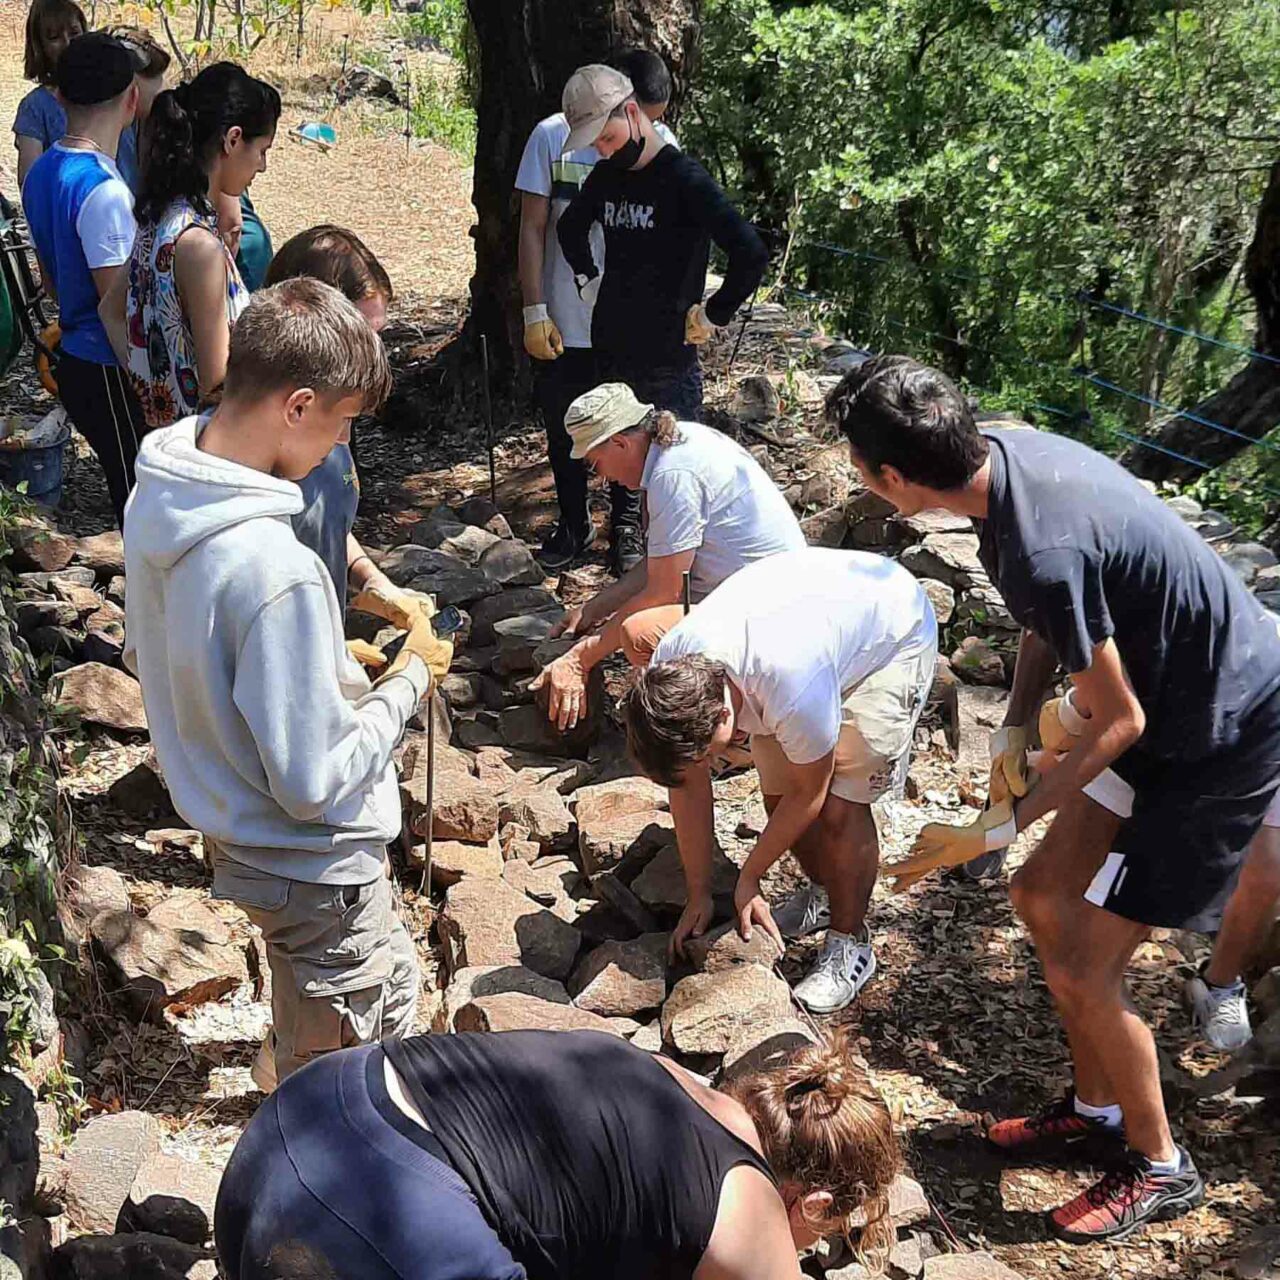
(628, 155)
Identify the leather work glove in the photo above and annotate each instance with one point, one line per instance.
(697, 327)
(542, 339)
(1008, 750)
(940, 845)
(422, 642)
(1060, 725)
(400, 608)
(367, 655)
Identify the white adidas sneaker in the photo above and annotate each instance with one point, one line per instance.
(845, 966)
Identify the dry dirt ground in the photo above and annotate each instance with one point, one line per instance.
(957, 1023)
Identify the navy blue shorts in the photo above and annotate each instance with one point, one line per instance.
(330, 1181)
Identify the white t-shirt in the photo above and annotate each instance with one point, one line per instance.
(546, 169)
(707, 494)
(798, 631)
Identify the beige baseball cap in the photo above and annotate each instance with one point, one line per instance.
(590, 95)
(600, 413)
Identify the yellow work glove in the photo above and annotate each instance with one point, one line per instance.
(367, 655)
(1061, 724)
(697, 327)
(940, 845)
(422, 642)
(542, 339)
(1008, 750)
(400, 608)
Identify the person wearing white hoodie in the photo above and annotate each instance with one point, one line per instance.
(270, 737)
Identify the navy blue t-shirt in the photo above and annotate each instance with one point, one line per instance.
(1082, 553)
(330, 495)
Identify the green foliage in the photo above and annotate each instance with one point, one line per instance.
(444, 22)
(987, 160)
(442, 111)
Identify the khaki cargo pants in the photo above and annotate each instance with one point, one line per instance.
(343, 968)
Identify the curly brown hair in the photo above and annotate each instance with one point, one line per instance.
(671, 712)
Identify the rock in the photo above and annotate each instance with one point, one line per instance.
(649, 1037)
(764, 1044)
(981, 604)
(724, 948)
(103, 1160)
(360, 81)
(528, 729)
(133, 1256)
(1248, 559)
(943, 599)
(949, 557)
(493, 770)
(516, 1012)
(76, 574)
(57, 642)
(622, 979)
(548, 885)
(967, 1266)
(1266, 993)
(1181, 505)
(494, 980)
(93, 890)
(518, 638)
(172, 1197)
(447, 578)
(981, 710)
(705, 1012)
(756, 399)
(509, 563)
(413, 760)
(487, 922)
(19, 1169)
(102, 695)
(596, 806)
(477, 733)
(477, 510)
(30, 614)
(35, 546)
(509, 604)
(104, 634)
(83, 599)
(633, 836)
(115, 590)
(466, 542)
(825, 528)
(908, 1204)
(463, 807)
(103, 553)
(542, 812)
(451, 860)
(976, 662)
(461, 691)
(660, 886)
(1259, 1255)
(621, 915)
(1213, 526)
(158, 964)
(866, 505)
(141, 792)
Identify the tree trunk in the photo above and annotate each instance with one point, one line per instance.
(528, 49)
(1250, 402)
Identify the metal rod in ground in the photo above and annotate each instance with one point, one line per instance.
(425, 887)
(488, 418)
(686, 593)
(742, 329)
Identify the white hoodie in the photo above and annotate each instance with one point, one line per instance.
(269, 736)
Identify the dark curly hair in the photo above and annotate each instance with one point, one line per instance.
(186, 128)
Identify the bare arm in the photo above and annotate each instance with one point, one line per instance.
(796, 811)
(535, 212)
(1116, 722)
(661, 584)
(111, 310)
(29, 151)
(361, 571)
(200, 269)
(1032, 674)
(693, 811)
(752, 1237)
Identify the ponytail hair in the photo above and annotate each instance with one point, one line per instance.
(186, 129)
(824, 1127)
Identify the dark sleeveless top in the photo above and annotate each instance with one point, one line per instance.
(586, 1156)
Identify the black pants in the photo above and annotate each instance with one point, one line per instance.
(557, 384)
(675, 384)
(103, 408)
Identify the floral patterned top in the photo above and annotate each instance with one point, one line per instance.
(162, 352)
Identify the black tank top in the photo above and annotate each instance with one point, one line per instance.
(586, 1156)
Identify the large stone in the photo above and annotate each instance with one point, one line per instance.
(509, 604)
(528, 729)
(172, 1197)
(488, 922)
(982, 605)
(463, 808)
(825, 528)
(725, 948)
(977, 662)
(83, 599)
(617, 905)
(550, 884)
(756, 399)
(622, 979)
(1248, 559)
(102, 1162)
(1266, 992)
(93, 890)
(764, 1044)
(61, 643)
(541, 811)
(32, 614)
(597, 806)
(104, 635)
(447, 578)
(103, 695)
(942, 598)
(451, 860)
(967, 1266)
(908, 1204)
(132, 1256)
(516, 1012)
(462, 690)
(949, 557)
(19, 1168)
(660, 886)
(518, 639)
(158, 964)
(705, 1012)
(37, 547)
(494, 980)
(635, 836)
(141, 792)
(102, 552)
(509, 563)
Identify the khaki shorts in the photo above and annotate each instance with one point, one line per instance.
(642, 632)
(344, 970)
(877, 723)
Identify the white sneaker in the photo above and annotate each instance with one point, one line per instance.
(1219, 1013)
(845, 966)
(805, 912)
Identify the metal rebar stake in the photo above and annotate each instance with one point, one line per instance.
(425, 887)
(686, 594)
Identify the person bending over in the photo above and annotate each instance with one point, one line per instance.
(826, 659)
(1169, 745)
(710, 509)
(272, 741)
(552, 1155)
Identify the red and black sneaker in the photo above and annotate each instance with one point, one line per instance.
(1058, 1132)
(1128, 1197)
